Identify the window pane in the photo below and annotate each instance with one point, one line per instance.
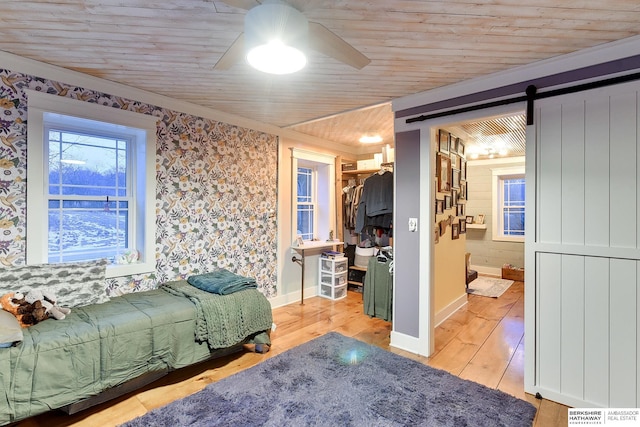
(514, 192)
(82, 164)
(83, 231)
(305, 221)
(87, 165)
(305, 185)
(514, 221)
(306, 206)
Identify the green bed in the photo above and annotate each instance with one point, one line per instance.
(100, 347)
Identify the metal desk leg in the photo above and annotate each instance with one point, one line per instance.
(301, 262)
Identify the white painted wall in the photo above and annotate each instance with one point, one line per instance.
(583, 249)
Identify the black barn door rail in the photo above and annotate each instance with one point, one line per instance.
(531, 95)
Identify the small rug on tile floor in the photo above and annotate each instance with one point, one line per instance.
(338, 381)
(489, 286)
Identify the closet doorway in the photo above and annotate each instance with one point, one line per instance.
(479, 207)
(484, 194)
(478, 164)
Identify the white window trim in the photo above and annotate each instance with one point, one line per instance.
(37, 230)
(496, 223)
(321, 223)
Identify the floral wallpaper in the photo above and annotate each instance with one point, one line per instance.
(216, 186)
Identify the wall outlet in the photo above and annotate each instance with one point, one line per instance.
(413, 224)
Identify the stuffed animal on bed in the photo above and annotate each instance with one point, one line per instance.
(48, 302)
(33, 307)
(27, 313)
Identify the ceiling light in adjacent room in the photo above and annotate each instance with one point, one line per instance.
(370, 139)
(275, 37)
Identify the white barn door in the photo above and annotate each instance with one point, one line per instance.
(583, 248)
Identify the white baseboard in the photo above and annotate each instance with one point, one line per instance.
(454, 306)
(292, 297)
(487, 271)
(408, 343)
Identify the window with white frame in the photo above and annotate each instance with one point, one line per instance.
(313, 197)
(306, 203)
(509, 187)
(91, 185)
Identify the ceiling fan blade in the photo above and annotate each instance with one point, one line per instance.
(327, 42)
(232, 56)
(241, 4)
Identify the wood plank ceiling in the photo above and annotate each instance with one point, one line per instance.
(170, 47)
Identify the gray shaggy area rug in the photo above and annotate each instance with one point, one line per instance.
(338, 381)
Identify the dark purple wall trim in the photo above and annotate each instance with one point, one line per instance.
(592, 71)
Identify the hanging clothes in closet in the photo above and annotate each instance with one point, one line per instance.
(375, 209)
(351, 199)
(378, 287)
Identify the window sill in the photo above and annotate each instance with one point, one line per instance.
(508, 239)
(315, 244)
(119, 270)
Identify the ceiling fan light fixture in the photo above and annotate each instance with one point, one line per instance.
(276, 58)
(276, 38)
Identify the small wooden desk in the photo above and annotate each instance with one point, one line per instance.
(306, 246)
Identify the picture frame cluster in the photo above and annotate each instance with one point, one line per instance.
(451, 185)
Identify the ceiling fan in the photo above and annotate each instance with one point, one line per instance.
(273, 16)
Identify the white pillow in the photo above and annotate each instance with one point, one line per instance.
(10, 329)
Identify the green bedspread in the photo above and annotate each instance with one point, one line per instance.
(223, 320)
(101, 346)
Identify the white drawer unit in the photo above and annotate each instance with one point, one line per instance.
(332, 280)
(333, 292)
(337, 279)
(333, 265)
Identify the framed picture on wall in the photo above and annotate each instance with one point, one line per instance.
(453, 144)
(439, 207)
(443, 170)
(460, 210)
(463, 169)
(455, 231)
(460, 147)
(455, 161)
(447, 202)
(443, 141)
(455, 178)
(463, 226)
(442, 226)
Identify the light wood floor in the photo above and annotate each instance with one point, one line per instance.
(482, 342)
